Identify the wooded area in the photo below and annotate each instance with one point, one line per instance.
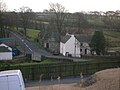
(57, 19)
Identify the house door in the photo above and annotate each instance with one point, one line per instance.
(67, 53)
(85, 51)
(47, 45)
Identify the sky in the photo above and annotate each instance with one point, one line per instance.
(70, 5)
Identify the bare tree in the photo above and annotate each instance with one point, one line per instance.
(82, 23)
(112, 20)
(43, 33)
(11, 20)
(26, 15)
(3, 6)
(2, 10)
(58, 14)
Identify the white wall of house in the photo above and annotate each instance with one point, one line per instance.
(62, 48)
(69, 47)
(5, 55)
(73, 47)
(77, 48)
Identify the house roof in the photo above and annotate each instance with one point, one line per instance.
(79, 37)
(83, 37)
(53, 36)
(65, 38)
(4, 45)
(4, 49)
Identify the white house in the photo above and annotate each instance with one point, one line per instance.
(75, 45)
(5, 52)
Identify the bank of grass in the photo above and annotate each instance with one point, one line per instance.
(23, 62)
(91, 59)
(32, 34)
(115, 48)
(95, 21)
(109, 35)
(49, 61)
(112, 35)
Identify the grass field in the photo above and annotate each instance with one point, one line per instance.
(112, 36)
(96, 21)
(32, 34)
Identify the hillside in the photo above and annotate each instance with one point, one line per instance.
(113, 38)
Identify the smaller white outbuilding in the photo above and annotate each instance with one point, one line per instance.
(5, 52)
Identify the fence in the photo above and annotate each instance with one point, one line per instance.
(33, 71)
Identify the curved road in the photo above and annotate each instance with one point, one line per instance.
(29, 47)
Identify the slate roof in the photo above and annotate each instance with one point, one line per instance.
(83, 37)
(51, 36)
(65, 38)
(79, 37)
(4, 49)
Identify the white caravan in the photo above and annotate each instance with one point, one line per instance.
(11, 80)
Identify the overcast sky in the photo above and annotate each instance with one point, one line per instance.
(70, 5)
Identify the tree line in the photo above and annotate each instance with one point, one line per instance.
(59, 20)
(56, 21)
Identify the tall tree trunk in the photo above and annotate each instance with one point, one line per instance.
(25, 32)
(2, 32)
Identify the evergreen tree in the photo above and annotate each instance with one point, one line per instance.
(98, 43)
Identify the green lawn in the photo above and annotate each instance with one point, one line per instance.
(113, 36)
(115, 48)
(114, 39)
(43, 22)
(32, 34)
(110, 35)
(95, 21)
(48, 61)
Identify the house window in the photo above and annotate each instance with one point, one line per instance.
(47, 45)
(85, 51)
(67, 53)
(81, 44)
(80, 50)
